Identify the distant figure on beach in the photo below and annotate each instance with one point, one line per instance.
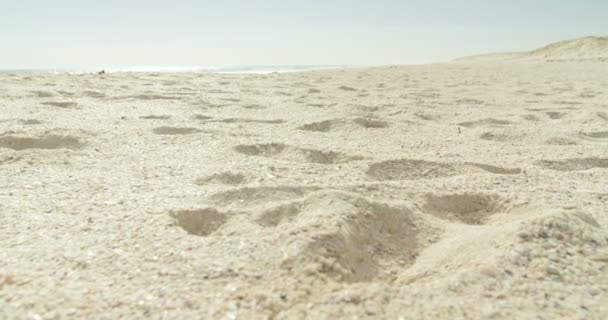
(102, 72)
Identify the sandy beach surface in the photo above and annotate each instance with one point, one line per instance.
(464, 190)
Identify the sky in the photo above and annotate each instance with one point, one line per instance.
(64, 34)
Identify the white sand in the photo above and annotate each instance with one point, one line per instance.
(439, 191)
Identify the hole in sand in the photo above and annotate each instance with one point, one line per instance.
(274, 217)
(468, 208)
(199, 222)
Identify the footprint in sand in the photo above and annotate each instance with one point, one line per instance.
(412, 169)
(500, 137)
(494, 169)
(94, 94)
(246, 120)
(321, 126)
(347, 88)
(49, 141)
(370, 123)
(201, 222)
(561, 141)
(530, 117)
(25, 122)
(577, 164)
(485, 122)
(65, 105)
(426, 116)
(296, 154)
(175, 130)
(317, 105)
(42, 94)
(156, 117)
(29, 122)
(467, 208)
(596, 135)
(201, 117)
(151, 96)
(254, 107)
(554, 115)
(248, 196)
(344, 124)
(229, 178)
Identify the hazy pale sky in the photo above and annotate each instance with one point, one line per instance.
(139, 33)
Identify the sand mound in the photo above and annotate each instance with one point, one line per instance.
(346, 237)
(581, 49)
(588, 48)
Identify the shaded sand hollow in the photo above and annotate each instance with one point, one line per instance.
(462, 190)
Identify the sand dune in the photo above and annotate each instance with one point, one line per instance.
(581, 49)
(464, 190)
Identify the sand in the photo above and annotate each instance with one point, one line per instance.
(463, 190)
(591, 48)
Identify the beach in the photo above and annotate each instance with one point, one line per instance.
(473, 189)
